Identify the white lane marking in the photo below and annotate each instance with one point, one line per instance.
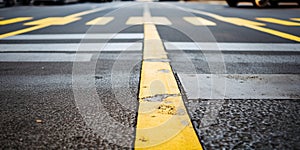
(155, 20)
(210, 46)
(75, 36)
(100, 21)
(198, 21)
(44, 57)
(241, 86)
(73, 47)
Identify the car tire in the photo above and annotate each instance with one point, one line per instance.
(36, 3)
(62, 2)
(232, 3)
(8, 3)
(26, 2)
(260, 3)
(274, 4)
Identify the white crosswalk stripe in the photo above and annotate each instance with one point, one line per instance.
(75, 36)
(65, 52)
(44, 57)
(71, 47)
(241, 86)
(232, 46)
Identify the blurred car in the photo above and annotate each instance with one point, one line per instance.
(260, 3)
(38, 2)
(8, 3)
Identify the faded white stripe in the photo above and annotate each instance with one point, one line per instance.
(73, 47)
(75, 36)
(44, 57)
(241, 86)
(232, 46)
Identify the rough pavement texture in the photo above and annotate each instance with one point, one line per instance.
(249, 124)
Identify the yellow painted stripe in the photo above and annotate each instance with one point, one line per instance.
(22, 31)
(279, 21)
(161, 124)
(198, 21)
(249, 25)
(155, 20)
(100, 21)
(295, 19)
(240, 21)
(46, 22)
(276, 33)
(53, 21)
(14, 20)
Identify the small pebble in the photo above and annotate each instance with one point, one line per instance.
(38, 121)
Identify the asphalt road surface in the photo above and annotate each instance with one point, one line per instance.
(172, 75)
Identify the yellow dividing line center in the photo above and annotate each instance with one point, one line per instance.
(163, 121)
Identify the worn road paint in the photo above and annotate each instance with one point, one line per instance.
(71, 47)
(163, 121)
(58, 21)
(72, 36)
(233, 47)
(295, 19)
(14, 20)
(198, 21)
(44, 57)
(156, 20)
(242, 86)
(100, 21)
(279, 21)
(46, 22)
(246, 23)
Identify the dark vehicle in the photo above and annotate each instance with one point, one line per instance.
(8, 3)
(38, 2)
(260, 3)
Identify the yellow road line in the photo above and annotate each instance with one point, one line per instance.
(156, 20)
(240, 21)
(14, 20)
(100, 21)
(22, 31)
(251, 25)
(46, 22)
(163, 121)
(198, 21)
(295, 19)
(276, 33)
(53, 21)
(279, 21)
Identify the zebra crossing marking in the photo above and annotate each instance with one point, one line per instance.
(71, 47)
(75, 36)
(211, 46)
(241, 86)
(44, 57)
